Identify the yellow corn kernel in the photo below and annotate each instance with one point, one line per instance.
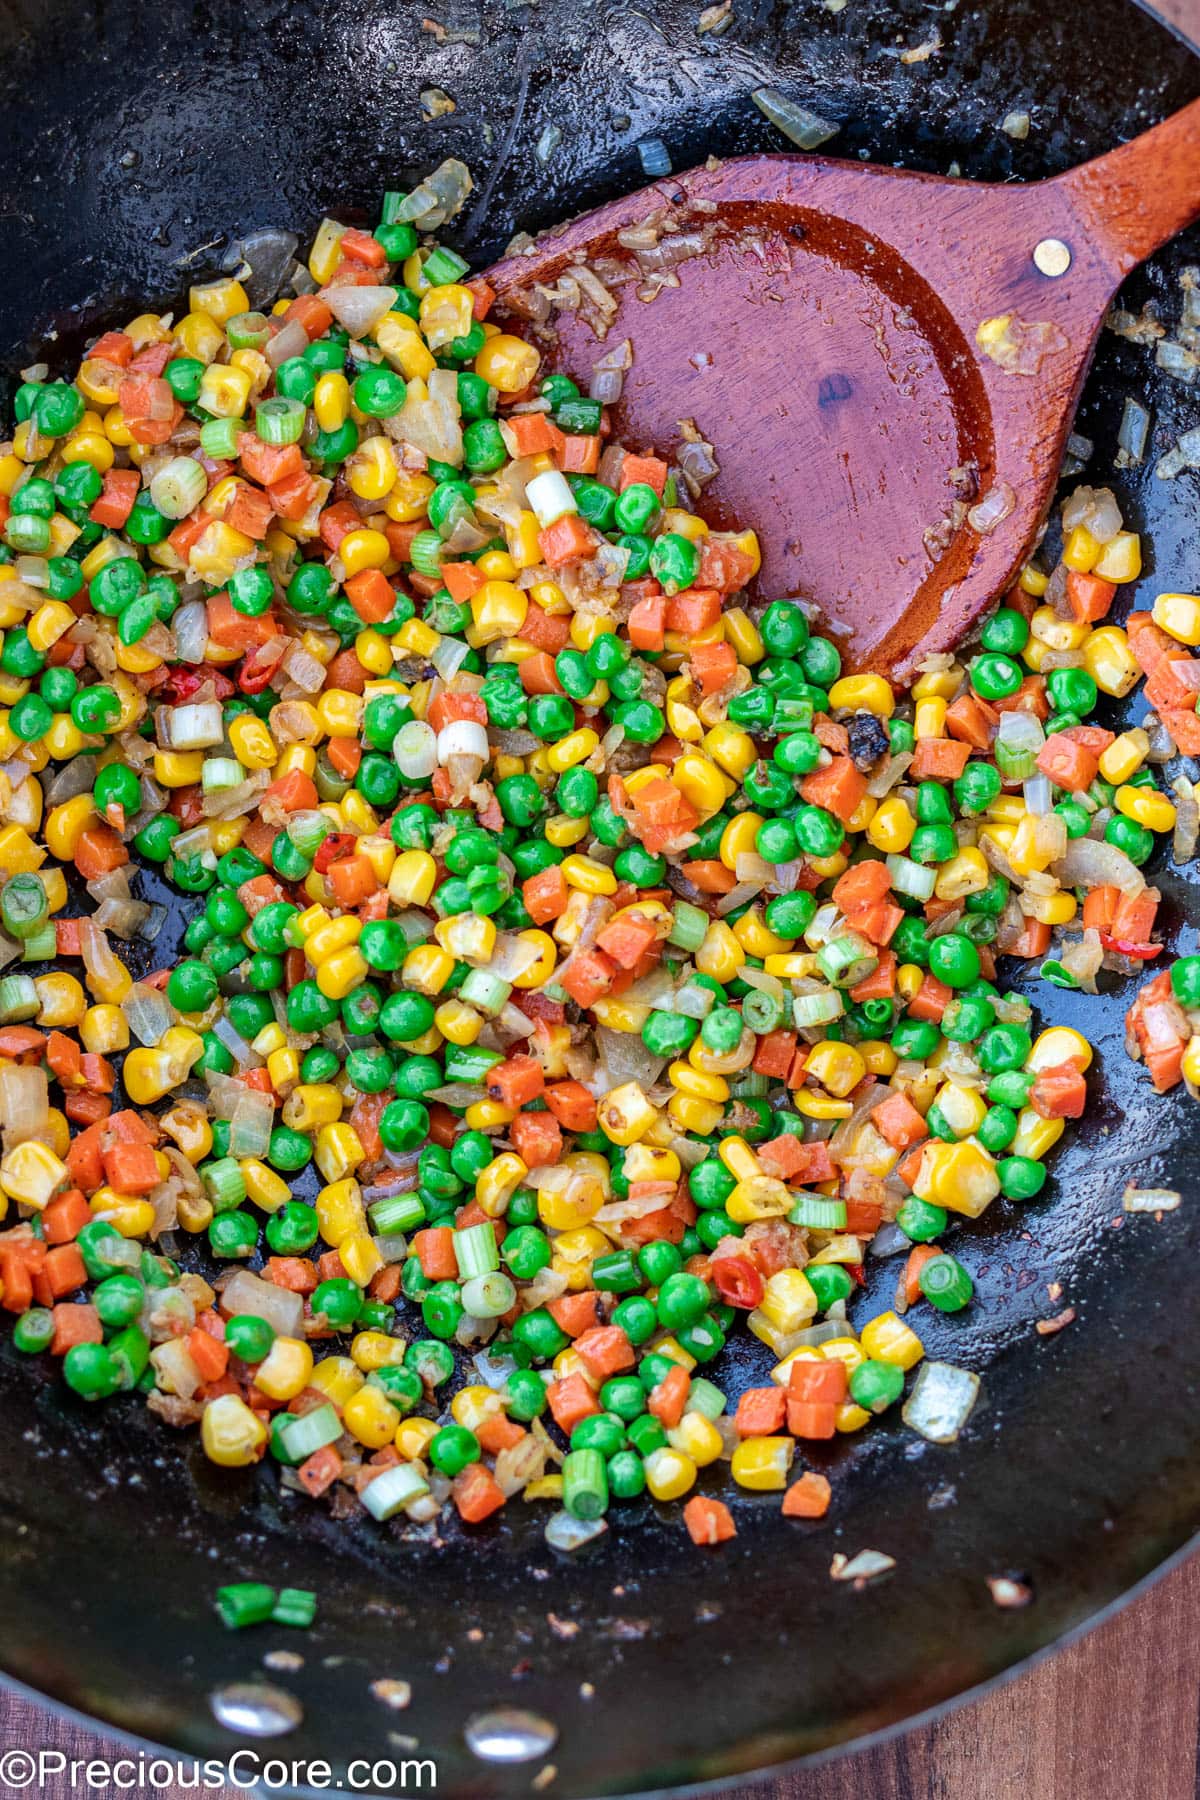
(376, 1350)
(1059, 1044)
(285, 1370)
(65, 825)
(565, 1205)
(588, 876)
(342, 972)
(405, 349)
(252, 743)
(131, 1218)
(929, 717)
(838, 1067)
(863, 693)
(1191, 1062)
(698, 1082)
(231, 1434)
(467, 936)
(891, 829)
(31, 1174)
(1124, 756)
(498, 610)
(330, 936)
(575, 1252)
(507, 362)
(966, 873)
(625, 1114)
(360, 1256)
(371, 471)
(338, 1378)
(846, 1350)
(103, 1030)
(701, 782)
(689, 1112)
(311, 1105)
(224, 390)
(1146, 806)
(940, 684)
(472, 1406)
(412, 1437)
(670, 1473)
(788, 1301)
(338, 1151)
(1056, 633)
(731, 749)
(62, 1001)
(370, 1417)
(267, 1189)
(498, 1182)
(487, 1115)
(1081, 551)
(363, 549)
(720, 954)
(762, 1463)
(408, 496)
(1051, 909)
(960, 1177)
(963, 1109)
(412, 879)
(888, 1339)
(576, 747)
(1179, 616)
(187, 1124)
(739, 1158)
(219, 300)
(697, 1437)
(427, 968)
(339, 1209)
(1121, 558)
(743, 634)
(1033, 581)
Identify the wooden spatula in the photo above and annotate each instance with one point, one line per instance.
(826, 338)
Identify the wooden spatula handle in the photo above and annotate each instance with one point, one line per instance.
(1139, 195)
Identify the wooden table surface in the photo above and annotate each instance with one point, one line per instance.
(1113, 1716)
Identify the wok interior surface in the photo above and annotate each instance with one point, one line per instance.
(134, 137)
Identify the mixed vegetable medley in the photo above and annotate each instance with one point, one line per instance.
(581, 967)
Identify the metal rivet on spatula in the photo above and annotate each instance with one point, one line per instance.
(1052, 256)
(509, 1734)
(255, 1709)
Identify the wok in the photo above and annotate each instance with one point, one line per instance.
(136, 142)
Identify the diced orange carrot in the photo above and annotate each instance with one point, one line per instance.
(569, 539)
(210, 1354)
(668, 1397)
(99, 851)
(363, 248)
(971, 720)
(1134, 916)
(694, 610)
(708, 1521)
(863, 884)
(572, 1105)
(461, 580)
(839, 788)
(1184, 727)
(813, 1381)
(293, 792)
(585, 976)
(433, 1248)
(545, 894)
(532, 434)
(918, 1256)
(538, 674)
(648, 623)
(515, 1082)
(761, 1412)
(310, 311)
(115, 502)
(711, 876)
(496, 1433)
(579, 453)
(627, 938)
(939, 759)
(880, 984)
(1068, 764)
(575, 1313)
(292, 1272)
(65, 1217)
(811, 1418)
(1059, 1092)
(74, 1324)
(898, 1120)
(1099, 907)
(266, 463)
(537, 1139)
(345, 754)
(808, 1498)
(318, 1472)
(571, 1399)
(371, 595)
(131, 1168)
(548, 631)
(352, 879)
(663, 813)
(477, 1494)
(651, 470)
(233, 630)
(712, 666)
(606, 1350)
(250, 511)
(794, 1160)
(931, 1000)
(1088, 597)
(1034, 940)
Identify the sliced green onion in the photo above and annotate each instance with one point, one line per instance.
(180, 485)
(18, 1000)
(392, 1491)
(308, 831)
(691, 925)
(762, 1011)
(485, 991)
(245, 1603)
(23, 905)
(476, 1251)
(945, 1283)
(220, 773)
(911, 878)
(818, 1214)
(846, 960)
(425, 553)
(41, 945)
(704, 1397)
(302, 1437)
(1058, 976)
(224, 1183)
(821, 1008)
(247, 331)
(488, 1296)
(219, 439)
(295, 1606)
(585, 1484)
(398, 1212)
(280, 421)
(444, 266)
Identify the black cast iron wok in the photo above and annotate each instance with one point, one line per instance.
(136, 142)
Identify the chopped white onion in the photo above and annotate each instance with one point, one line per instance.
(941, 1401)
